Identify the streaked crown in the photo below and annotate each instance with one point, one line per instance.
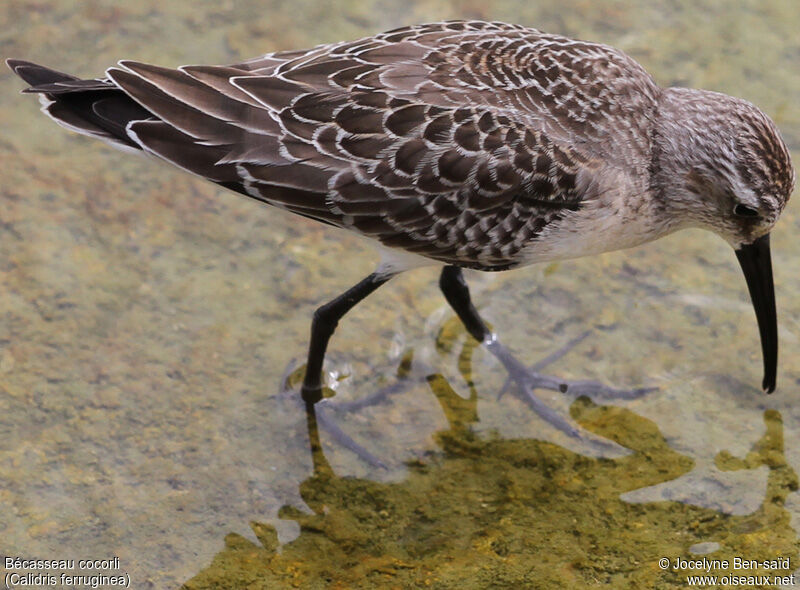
(719, 162)
(764, 162)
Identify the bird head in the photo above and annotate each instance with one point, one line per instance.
(724, 166)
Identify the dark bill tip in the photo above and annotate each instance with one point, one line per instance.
(756, 264)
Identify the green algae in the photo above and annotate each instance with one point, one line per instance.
(146, 319)
(511, 513)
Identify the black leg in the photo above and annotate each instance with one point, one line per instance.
(455, 290)
(326, 318)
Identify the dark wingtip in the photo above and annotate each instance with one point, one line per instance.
(19, 66)
(16, 63)
(768, 385)
(36, 75)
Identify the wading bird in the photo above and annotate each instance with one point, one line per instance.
(465, 144)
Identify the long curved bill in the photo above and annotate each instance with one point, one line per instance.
(756, 263)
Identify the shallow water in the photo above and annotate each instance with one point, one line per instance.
(147, 321)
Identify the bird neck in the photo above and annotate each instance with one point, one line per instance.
(692, 152)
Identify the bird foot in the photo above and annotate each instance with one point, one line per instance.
(320, 397)
(529, 379)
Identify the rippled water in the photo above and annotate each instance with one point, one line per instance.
(147, 321)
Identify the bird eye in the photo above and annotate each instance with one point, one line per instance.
(744, 211)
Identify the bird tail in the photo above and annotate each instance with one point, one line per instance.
(95, 107)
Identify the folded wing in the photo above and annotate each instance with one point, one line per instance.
(433, 139)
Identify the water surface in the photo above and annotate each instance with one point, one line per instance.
(147, 320)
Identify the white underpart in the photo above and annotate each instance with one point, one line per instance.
(394, 261)
(600, 225)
